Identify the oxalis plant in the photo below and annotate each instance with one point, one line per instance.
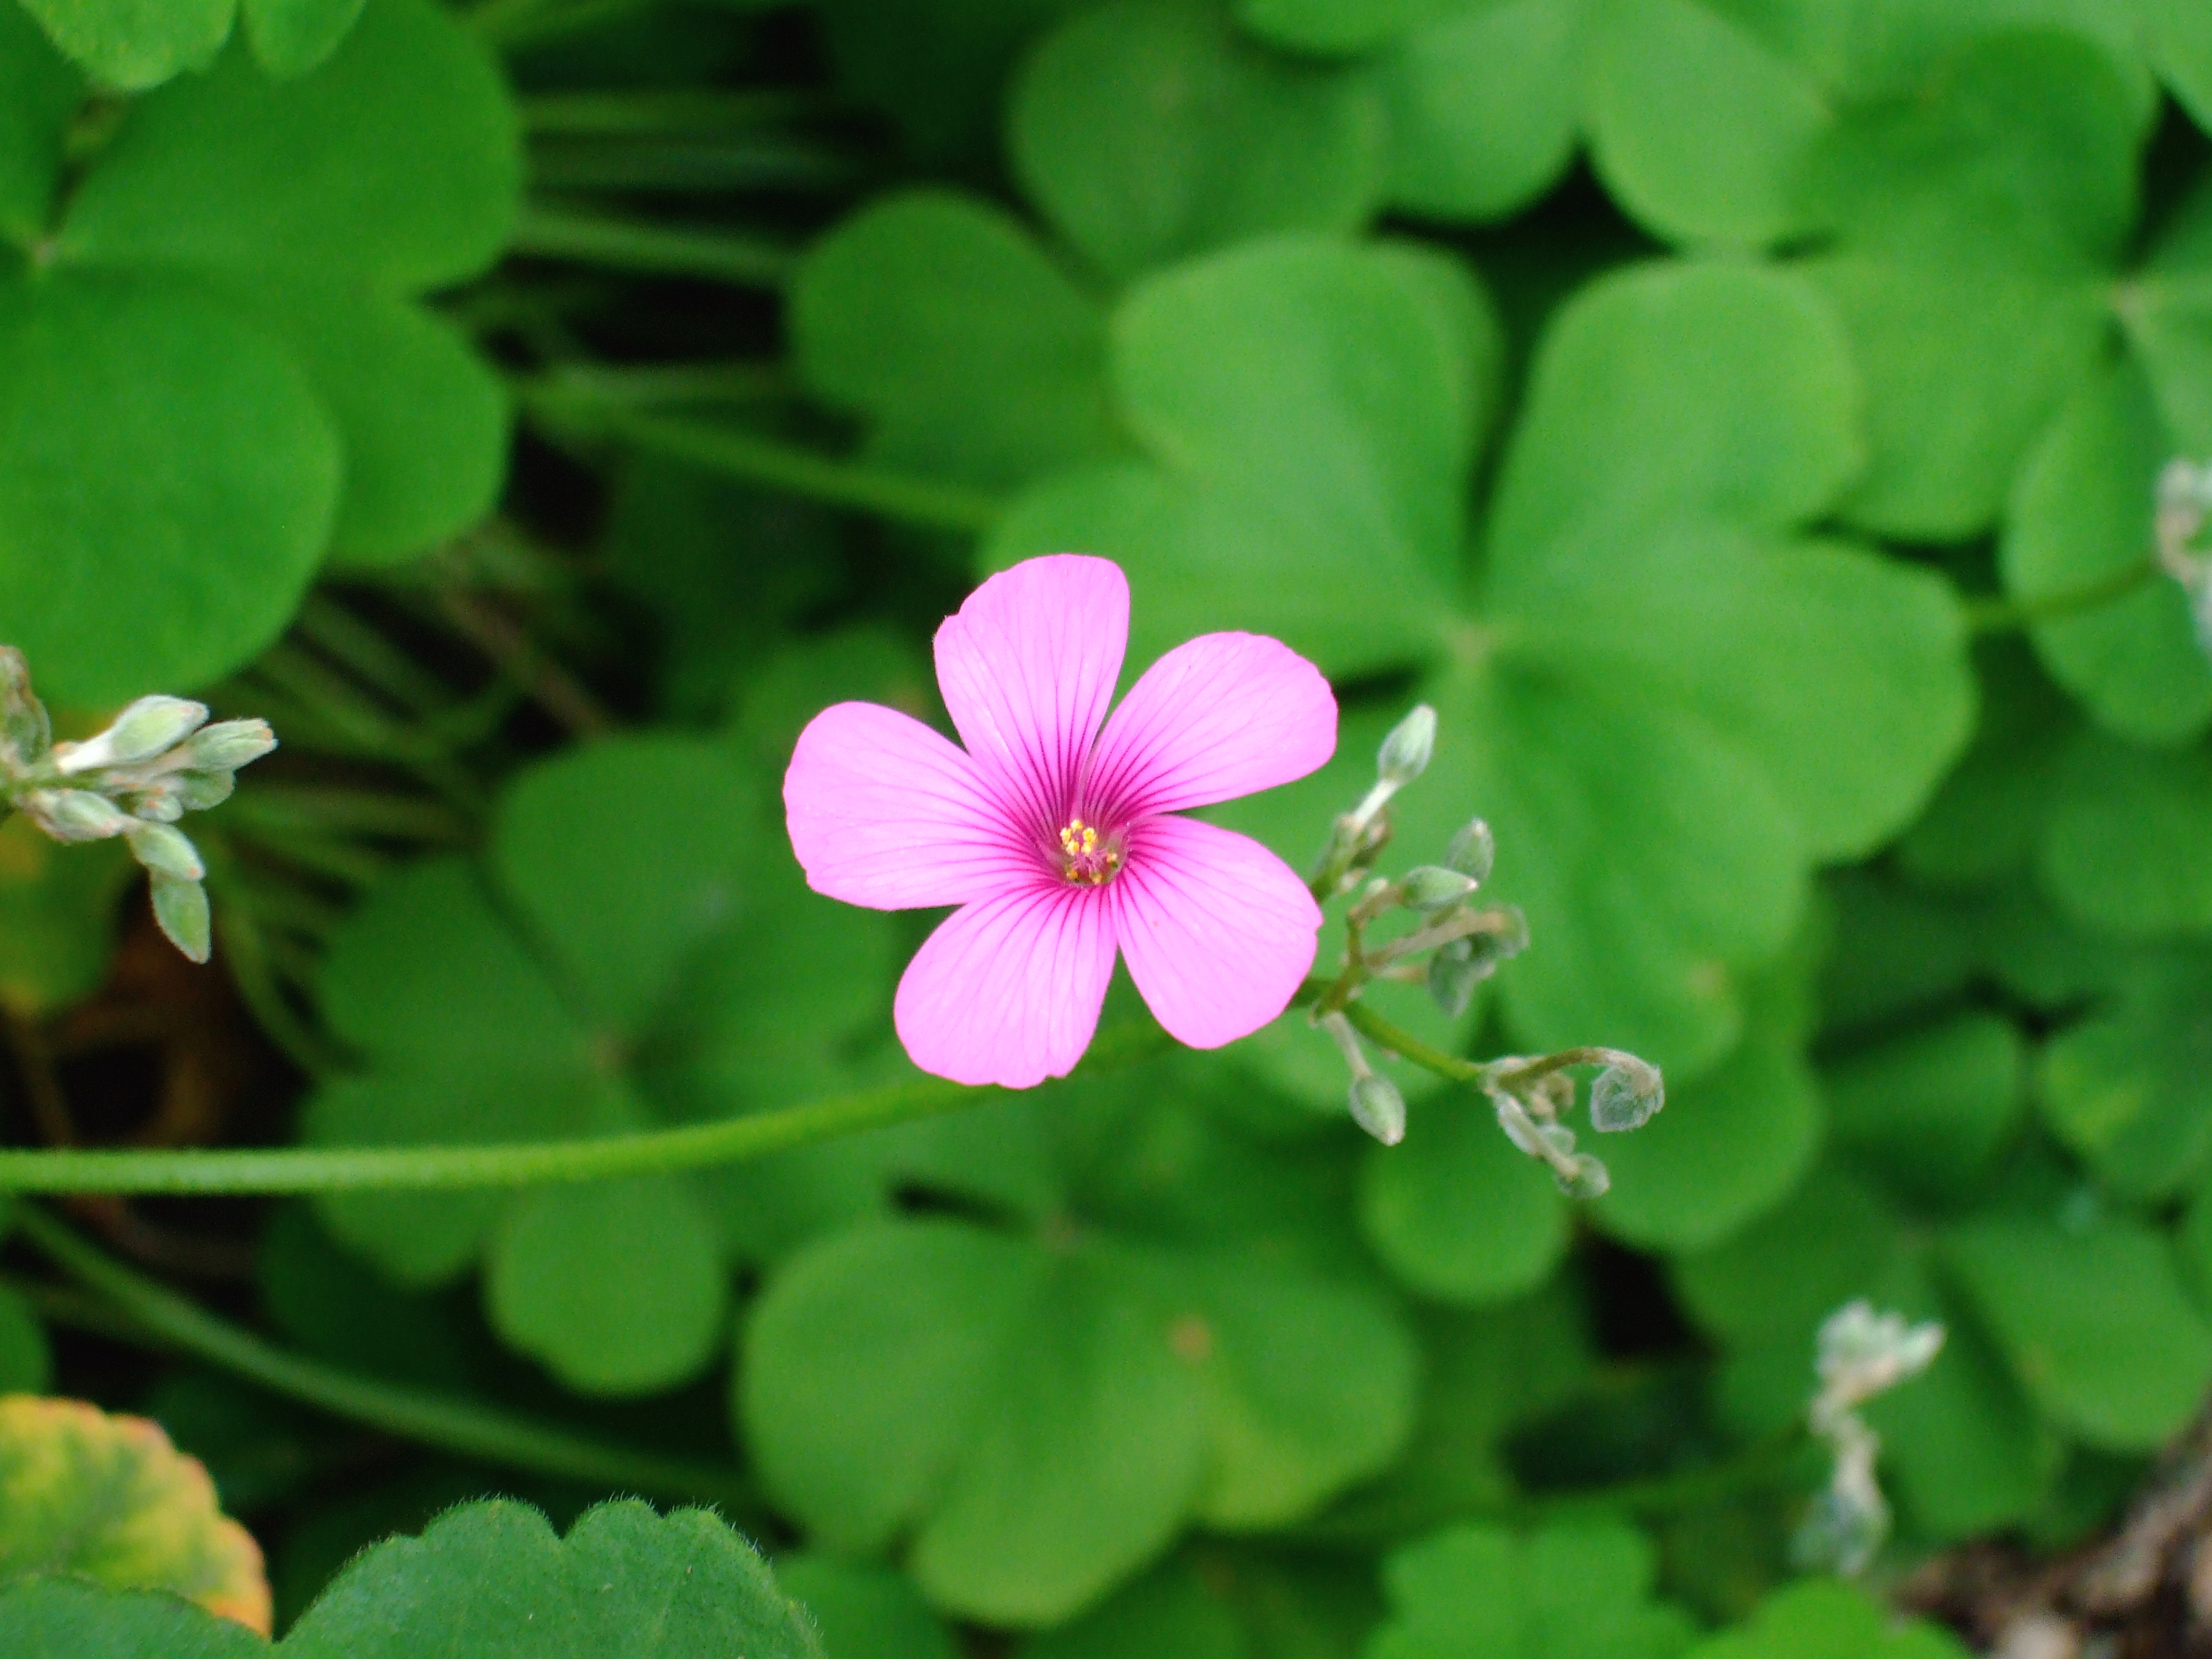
(1060, 833)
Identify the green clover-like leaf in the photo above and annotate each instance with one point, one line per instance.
(1037, 1408)
(1567, 1592)
(605, 974)
(1147, 131)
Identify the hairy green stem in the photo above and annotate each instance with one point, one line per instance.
(462, 1426)
(519, 1164)
(776, 464)
(715, 256)
(2005, 616)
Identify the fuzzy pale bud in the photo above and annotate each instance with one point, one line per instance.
(1378, 1108)
(1405, 753)
(1433, 887)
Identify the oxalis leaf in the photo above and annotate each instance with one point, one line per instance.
(1148, 132)
(1816, 1621)
(130, 45)
(609, 972)
(1036, 1409)
(1308, 411)
(223, 296)
(972, 354)
(1657, 806)
(1567, 1592)
(85, 1495)
(492, 1580)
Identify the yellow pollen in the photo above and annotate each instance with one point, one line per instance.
(1086, 859)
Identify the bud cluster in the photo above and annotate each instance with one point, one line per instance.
(1860, 1354)
(1455, 944)
(2184, 504)
(157, 761)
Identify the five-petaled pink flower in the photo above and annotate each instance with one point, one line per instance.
(1058, 840)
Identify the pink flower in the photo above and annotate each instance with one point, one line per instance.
(1060, 841)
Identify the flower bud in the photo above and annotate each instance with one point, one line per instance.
(197, 791)
(141, 730)
(1453, 975)
(1626, 1096)
(1472, 851)
(181, 907)
(164, 851)
(75, 814)
(228, 744)
(25, 731)
(1433, 887)
(1378, 1108)
(1405, 753)
(1587, 1179)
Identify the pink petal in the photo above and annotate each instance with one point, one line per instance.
(884, 812)
(1028, 668)
(1218, 931)
(1008, 989)
(1219, 716)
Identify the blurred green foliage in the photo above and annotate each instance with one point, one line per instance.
(1738, 418)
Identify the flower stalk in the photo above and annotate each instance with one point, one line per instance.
(1454, 945)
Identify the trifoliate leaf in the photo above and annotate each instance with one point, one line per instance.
(1964, 363)
(617, 1284)
(2129, 1087)
(131, 45)
(1170, 1611)
(2079, 519)
(1037, 1410)
(1827, 1620)
(108, 1498)
(1486, 1371)
(1571, 1591)
(1930, 1110)
(1698, 127)
(2095, 1322)
(940, 319)
(864, 1611)
(290, 37)
(396, 164)
(1147, 131)
(2123, 842)
(1483, 107)
(211, 452)
(1312, 409)
(1456, 1211)
(1712, 392)
(1985, 823)
(625, 858)
(596, 982)
(423, 420)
